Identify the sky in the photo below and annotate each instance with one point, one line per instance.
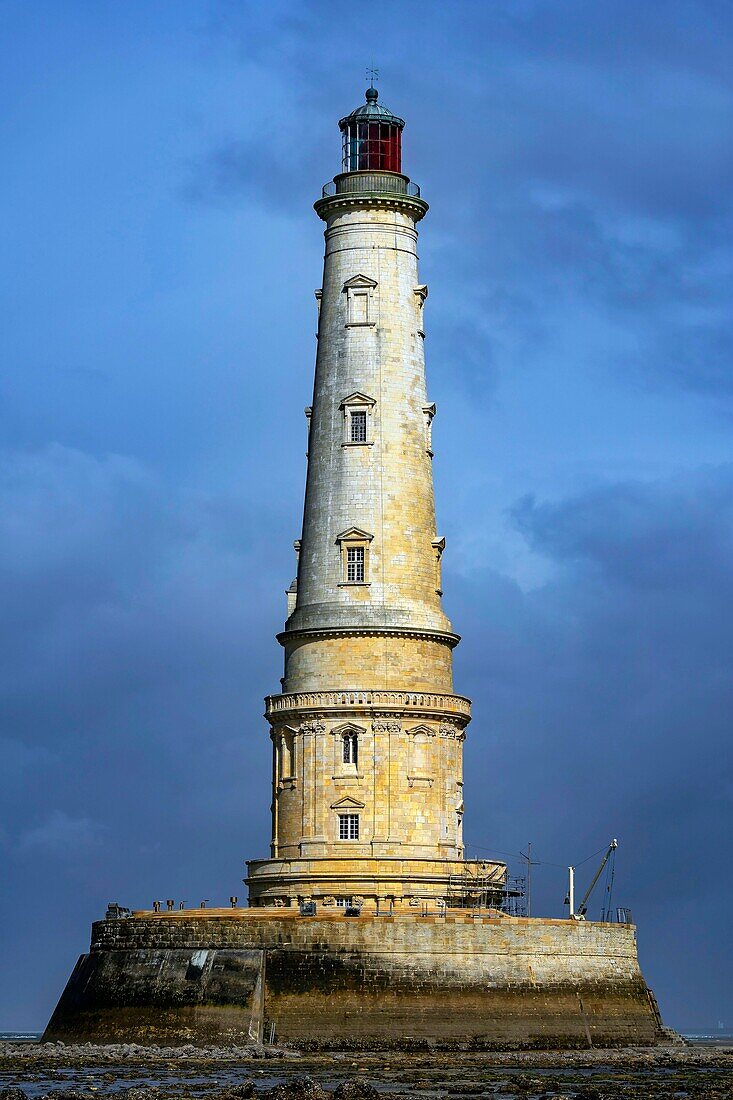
(159, 255)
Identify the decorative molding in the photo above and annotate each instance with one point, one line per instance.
(347, 727)
(312, 727)
(362, 400)
(416, 208)
(446, 637)
(348, 803)
(383, 726)
(354, 534)
(416, 731)
(359, 281)
(419, 702)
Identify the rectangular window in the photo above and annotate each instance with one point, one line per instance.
(343, 903)
(348, 826)
(355, 564)
(358, 427)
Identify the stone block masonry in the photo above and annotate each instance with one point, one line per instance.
(337, 981)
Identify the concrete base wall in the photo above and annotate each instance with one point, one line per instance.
(339, 981)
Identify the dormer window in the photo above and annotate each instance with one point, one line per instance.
(357, 409)
(354, 545)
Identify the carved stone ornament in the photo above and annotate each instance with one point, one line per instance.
(329, 900)
(448, 729)
(382, 726)
(313, 727)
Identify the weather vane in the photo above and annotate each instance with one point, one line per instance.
(372, 74)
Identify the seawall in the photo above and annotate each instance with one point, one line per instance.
(339, 981)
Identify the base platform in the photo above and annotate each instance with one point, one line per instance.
(334, 981)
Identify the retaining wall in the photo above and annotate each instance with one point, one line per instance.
(338, 981)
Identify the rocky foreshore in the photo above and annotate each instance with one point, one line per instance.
(55, 1071)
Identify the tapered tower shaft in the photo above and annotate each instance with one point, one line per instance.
(367, 735)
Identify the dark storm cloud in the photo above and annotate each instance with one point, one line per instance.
(605, 699)
(124, 602)
(593, 173)
(645, 536)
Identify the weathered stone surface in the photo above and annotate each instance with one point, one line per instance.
(333, 981)
(385, 633)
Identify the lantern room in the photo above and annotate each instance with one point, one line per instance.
(371, 137)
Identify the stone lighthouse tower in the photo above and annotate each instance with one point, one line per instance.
(367, 741)
(367, 790)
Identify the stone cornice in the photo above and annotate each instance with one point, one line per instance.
(415, 703)
(416, 208)
(447, 637)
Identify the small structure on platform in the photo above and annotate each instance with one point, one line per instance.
(366, 923)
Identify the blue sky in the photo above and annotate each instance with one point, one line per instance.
(160, 254)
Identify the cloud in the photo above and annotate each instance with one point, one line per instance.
(675, 536)
(62, 835)
(594, 184)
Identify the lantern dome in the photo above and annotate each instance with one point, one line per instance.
(371, 137)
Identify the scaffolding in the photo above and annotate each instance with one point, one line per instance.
(479, 886)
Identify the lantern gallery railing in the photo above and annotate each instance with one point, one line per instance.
(372, 182)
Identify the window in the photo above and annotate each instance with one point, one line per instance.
(350, 743)
(358, 421)
(355, 564)
(353, 546)
(348, 826)
(344, 903)
(357, 409)
(371, 145)
(360, 302)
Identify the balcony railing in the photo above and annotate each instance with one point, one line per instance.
(355, 183)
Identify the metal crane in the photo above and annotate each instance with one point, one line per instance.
(579, 913)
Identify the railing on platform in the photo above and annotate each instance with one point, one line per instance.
(355, 183)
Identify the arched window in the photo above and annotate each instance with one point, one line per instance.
(350, 743)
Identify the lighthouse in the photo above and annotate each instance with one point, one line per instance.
(366, 925)
(368, 732)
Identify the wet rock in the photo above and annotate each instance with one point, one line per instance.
(355, 1090)
(12, 1094)
(301, 1088)
(244, 1091)
(66, 1094)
